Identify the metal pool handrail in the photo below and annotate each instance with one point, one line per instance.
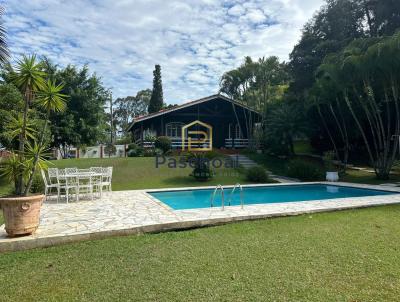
(238, 185)
(222, 196)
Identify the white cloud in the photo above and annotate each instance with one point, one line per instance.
(193, 41)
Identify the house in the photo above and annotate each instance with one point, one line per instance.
(212, 122)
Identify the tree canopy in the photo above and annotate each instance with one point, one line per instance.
(157, 98)
(125, 109)
(83, 122)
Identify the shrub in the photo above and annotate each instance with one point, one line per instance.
(163, 143)
(150, 152)
(132, 146)
(136, 152)
(305, 170)
(123, 141)
(37, 184)
(212, 154)
(329, 157)
(201, 171)
(187, 155)
(257, 174)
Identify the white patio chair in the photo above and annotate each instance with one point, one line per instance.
(71, 170)
(97, 180)
(70, 186)
(107, 178)
(55, 179)
(61, 176)
(48, 186)
(85, 185)
(53, 173)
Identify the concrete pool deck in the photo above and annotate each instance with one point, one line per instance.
(135, 212)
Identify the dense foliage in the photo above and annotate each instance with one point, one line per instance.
(340, 88)
(257, 175)
(4, 52)
(202, 170)
(365, 77)
(157, 99)
(83, 121)
(125, 109)
(27, 122)
(163, 143)
(305, 170)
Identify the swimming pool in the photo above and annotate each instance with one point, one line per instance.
(200, 198)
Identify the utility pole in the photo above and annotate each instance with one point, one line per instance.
(111, 120)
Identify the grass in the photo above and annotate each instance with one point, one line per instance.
(342, 256)
(304, 146)
(141, 173)
(278, 166)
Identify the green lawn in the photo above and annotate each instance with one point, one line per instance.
(141, 173)
(278, 166)
(304, 146)
(342, 256)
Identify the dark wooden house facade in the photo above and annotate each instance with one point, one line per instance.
(230, 122)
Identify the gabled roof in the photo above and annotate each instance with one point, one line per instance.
(185, 105)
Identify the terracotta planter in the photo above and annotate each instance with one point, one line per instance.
(21, 214)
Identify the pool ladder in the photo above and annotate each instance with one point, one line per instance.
(221, 188)
(241, 194)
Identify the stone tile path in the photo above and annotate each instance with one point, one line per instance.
(134, 212)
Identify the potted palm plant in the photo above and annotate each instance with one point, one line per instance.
(41, 97)
(332, 173)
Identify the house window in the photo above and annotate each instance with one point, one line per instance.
(173, 129)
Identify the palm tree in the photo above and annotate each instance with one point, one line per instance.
(28, 76)
(4, 53)
(284, 122)
(50, 99)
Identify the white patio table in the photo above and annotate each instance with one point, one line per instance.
(84, 180)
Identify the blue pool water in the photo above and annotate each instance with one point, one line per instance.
(200, 198)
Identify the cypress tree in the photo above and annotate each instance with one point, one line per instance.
(156, 100)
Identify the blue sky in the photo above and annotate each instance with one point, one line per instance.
(195, 42)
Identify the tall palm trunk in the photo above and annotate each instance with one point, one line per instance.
(28, 98)
(36, 157)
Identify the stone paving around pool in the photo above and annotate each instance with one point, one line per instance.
(135, 212)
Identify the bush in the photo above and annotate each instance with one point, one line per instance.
(150, 152)
(135, 152)
(189, 156)
(212, 154)
(257, 174)
(123, 141)
(163, 143)
(329, 157)
(131, 146)
(305, 170)
(201, 171)
(37, 184)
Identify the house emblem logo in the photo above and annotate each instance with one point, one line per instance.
(197, 136)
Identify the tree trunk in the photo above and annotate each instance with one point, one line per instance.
(36, 158)
(20, 182)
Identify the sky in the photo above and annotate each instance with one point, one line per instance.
(195, 42)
